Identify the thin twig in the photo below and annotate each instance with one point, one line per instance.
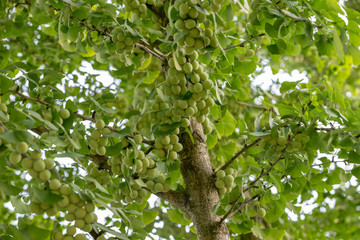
(149, 150)
(246, 147)
(329, 162)
(243, 43)
(48, 105)
(263, 172)
(146, 49)
(253, 106)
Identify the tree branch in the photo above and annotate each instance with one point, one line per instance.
(146, 49)
(176, 198)
(92, 119)
(246, 147)
(263, 173)
(48, 105)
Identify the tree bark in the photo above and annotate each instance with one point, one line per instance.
(199, 180)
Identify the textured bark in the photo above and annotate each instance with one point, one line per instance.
(201, 193)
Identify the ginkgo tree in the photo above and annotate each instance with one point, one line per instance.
(181, 119)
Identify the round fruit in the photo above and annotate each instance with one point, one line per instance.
(187, 67)
(89, 207)
(250, 53)
(22, 147)
(173, 155)
(229, 180)
(138, 139)
(282, 140)
(64, 190)
(220, 183)
(89, 218)
(58, 236)
(158, 187)
(74, 198)
(96, 134)
(100, 124)
(49, 163)
(70, 217)
(54, 184)
(220, 174)
(101, 150)
(87, 228)
(64, 113)
(80, 236)
(15, 157)
(36, 155)
(80, 213)
(150, 185)
(39, 165)
(165, 140)
(103, 141)
(261, 212)
(45, 175)
(71, 230)
(190, 23)
(26, 163)
(79, 223)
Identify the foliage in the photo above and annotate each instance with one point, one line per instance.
(168, 63)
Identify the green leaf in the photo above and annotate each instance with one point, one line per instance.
(268, 233)
(15, 136)
(111, 231)
(356, 172)
(245, 68)
(176, 217)
(338, 95)
(355, 53)
(228, 13)
(148, 216)
(5, 83)
(63, 37)
(286, 110)
(211, 140)
(286, 86)
(166, 129)
(144, 64)
(120, 134)
(339, 48)
(19, 205)
(81, 13)
(9, 189)
(151, 76)
(46, 196)
(229, 123)
(105, 109)
(97, 184)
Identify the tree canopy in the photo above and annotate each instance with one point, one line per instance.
(179, 118)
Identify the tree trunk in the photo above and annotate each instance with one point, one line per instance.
(199, 180)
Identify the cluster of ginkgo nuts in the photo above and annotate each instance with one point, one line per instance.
(78, 211)
(63, 113)
(98, 140)
(225, 180)
(5, 116)
(123, 39)
(38, 168)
